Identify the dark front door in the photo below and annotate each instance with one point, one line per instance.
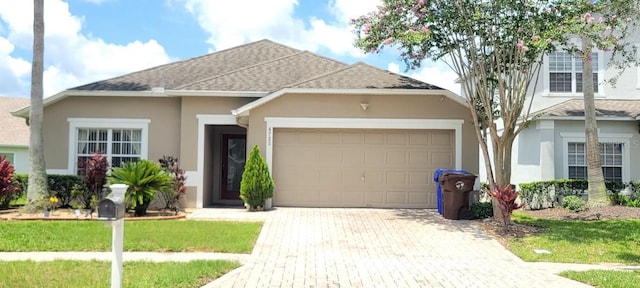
(234, 150)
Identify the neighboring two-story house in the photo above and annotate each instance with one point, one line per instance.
(553, 146)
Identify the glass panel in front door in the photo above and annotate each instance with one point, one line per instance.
(236, 152)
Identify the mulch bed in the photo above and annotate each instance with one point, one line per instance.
(496, 230)
(68, 214)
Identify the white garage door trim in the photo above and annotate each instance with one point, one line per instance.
(364, 123)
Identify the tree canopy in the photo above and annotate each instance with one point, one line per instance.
(496, 48)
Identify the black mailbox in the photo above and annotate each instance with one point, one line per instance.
(111, 208)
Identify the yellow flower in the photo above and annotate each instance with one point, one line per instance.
(53, 199)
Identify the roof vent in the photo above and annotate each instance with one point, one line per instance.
(157, 90)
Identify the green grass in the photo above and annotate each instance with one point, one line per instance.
(606, 279)
(19, 274)
(610, 241)
(159, 236)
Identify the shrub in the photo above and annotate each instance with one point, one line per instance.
(62, 187)
(94, 171)
(481, 210)
(506, 198)
(144, 179)
(574, 203)
(632, 200)
(256, 185)
(9, 186)
(171, 197)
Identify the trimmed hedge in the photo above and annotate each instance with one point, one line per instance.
(547, 194)
(59, 186)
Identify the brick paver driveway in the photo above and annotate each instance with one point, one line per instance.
(319, 247)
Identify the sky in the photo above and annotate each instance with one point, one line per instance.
(92, 40)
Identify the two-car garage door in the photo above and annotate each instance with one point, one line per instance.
(359, 167)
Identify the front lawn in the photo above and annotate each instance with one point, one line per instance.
(63, 273)
(154, 236)
(605, 241)
(603, 278)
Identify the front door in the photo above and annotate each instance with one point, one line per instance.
(234, 150)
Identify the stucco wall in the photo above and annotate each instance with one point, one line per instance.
(20, 157)
(348, 106)
(528, 166)
(192, 106)
(164, 128)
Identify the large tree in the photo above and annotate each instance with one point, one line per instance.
(495, 48)
(38, 186)
(606, 25)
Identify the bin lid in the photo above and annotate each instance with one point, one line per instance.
(438, 172)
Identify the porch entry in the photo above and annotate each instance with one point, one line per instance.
(234, 147)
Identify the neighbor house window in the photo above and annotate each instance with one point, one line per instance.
(610, 160)
(9, 156)
(120, 140)
(565, 73)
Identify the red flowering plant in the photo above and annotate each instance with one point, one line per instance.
(9, 187)
(506, 199)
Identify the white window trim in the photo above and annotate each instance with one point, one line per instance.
(625, 139)
(106, 123)
(601, 72)
(637, 67)
(364, 123)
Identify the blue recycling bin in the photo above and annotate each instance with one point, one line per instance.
(436, 179)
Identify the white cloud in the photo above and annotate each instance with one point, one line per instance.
(71, 58)
(276, 20)
(433, 73)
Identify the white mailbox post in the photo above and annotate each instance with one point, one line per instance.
(112, 211)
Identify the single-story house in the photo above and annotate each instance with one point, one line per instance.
(333, 134)
(14, 139)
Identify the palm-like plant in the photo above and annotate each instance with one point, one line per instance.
(144, 179)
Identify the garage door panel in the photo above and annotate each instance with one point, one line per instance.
(441, 138)
(352, 137)
(418, 158)
(359, 167)
(375, 138)
(419, 178)
(418, 197)
(374, 178)
(419, 139)
(396, 178)
(396, 158)
(440, 159)
(352, 158)
(396, 198)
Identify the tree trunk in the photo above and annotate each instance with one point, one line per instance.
(38, 185)
(597, 190)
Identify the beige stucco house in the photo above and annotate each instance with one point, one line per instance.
(333, 134)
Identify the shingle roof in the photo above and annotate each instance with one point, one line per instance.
(361, 76)
(262, 66)
(270, 75)
(15, 131)
(177, 74)
(604, 108)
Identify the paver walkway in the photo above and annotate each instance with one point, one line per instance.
(306, 247)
